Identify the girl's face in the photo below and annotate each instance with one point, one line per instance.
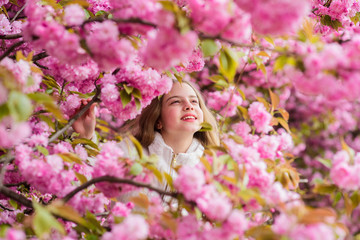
(180, 111)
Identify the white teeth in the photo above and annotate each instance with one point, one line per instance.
(188, 117)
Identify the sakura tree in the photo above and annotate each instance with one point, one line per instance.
(281, 76)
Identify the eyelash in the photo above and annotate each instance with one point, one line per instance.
(177, 101)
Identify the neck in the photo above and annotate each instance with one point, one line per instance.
(179, 144)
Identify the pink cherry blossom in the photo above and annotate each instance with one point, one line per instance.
(74, 14)
(166, 47)
(260, 116)
(190, 182)
(133, 227)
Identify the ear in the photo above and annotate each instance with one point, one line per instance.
(158, 125)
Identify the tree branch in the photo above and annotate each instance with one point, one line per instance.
(18, 13)
(116, 180)
(11, 36)
(76, 116)
(15, 196)
(5, 208)
(130, 20)
(11, 48)
(39, 56)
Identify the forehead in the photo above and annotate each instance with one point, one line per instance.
(181, 90)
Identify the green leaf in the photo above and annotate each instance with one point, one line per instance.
(337, 198)
(244, 112)
(137, 103)
(169, 180)
(270, 40)
(80, 177)
(4, 111)
(93, 223)
(42, 150)
(137, 146)
(355, 199)
(205, 126)
(355, 19)
(206, 164)
(82, 3)
(128, 89)
(65, 211)
(324, 188)
(156, 172)
(328, 21)
(101, 12)
(44, 222)
(136, 93)
(20, 106)
(136, 169)
(70, 158)
(125, 98)
(85, 141)
(326, 162)
(209, 47)
(50, 82)
(228, 64)
(280, 62)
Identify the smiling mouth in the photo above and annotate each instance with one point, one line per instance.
(188, 118)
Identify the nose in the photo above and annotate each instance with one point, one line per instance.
(188, 106)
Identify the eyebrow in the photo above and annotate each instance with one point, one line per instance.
(191, 96)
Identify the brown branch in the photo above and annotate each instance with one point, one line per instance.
(11, 36)
(16, 184)
(130, 20)
(39, 56)
(15, 196)
(76, 116)
(5, 208)
(11, 48)
(116, 180)
(18, 13)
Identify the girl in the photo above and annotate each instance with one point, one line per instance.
(168, 127)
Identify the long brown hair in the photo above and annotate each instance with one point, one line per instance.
(146, 122)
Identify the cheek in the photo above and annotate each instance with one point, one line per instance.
(201, 115)
(168, 116)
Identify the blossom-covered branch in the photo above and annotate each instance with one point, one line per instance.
(116, 180)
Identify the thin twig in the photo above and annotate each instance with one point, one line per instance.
(41, 66)
(17, 14)
(15, 196)
(16, 184)
(39, 56)
(5, 208)
(11, 36)
(11, 48)
(116, 180)
(76, 116)
(6, 160)
(130, 20)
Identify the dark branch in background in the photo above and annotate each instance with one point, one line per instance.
(15, 196)
(76, 116)
(41, 66)
(130, 20)
(11, 48)
(5, 160)
(17, 184)
(11, 36)
(5, 208)
(116, 180)
(39, 56)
